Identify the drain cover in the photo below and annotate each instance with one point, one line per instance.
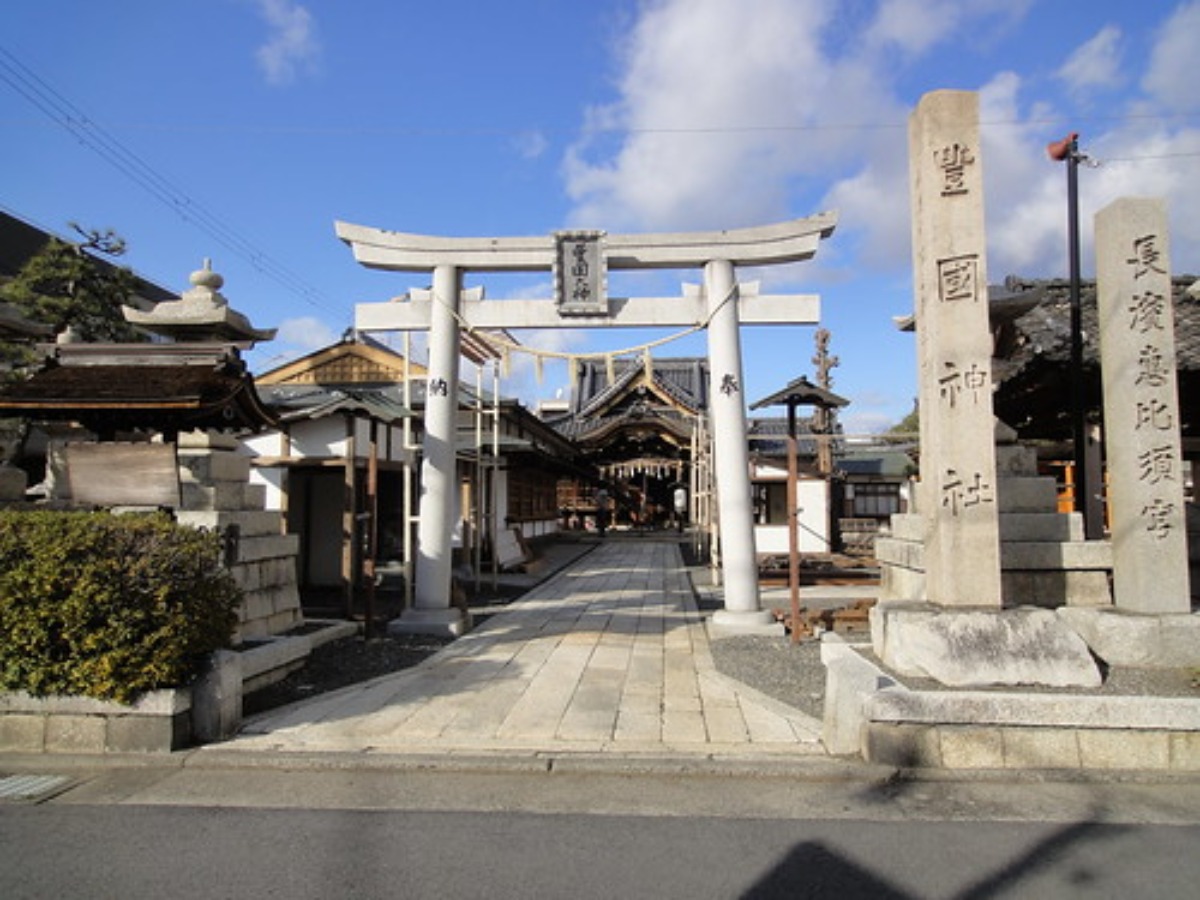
(29, 787)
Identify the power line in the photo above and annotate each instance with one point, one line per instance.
(65, 114)
(1105, 160)
(466, 131)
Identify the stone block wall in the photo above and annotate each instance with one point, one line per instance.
(160, 721)
(217, 495)
(1044, 559)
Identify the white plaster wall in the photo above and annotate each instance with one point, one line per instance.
(323, 437)
(265, 444)
(812, 502)
(272, 479)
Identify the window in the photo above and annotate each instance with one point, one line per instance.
(531, 495)
(770, 503)
(876, 501)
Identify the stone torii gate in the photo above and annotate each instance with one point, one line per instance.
(580, 261)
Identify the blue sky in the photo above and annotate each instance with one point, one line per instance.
(242, 129)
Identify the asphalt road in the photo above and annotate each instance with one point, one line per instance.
(317, 833)
(135, 852)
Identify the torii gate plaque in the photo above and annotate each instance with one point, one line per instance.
(720, 303)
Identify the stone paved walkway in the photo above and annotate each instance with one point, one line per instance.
(609, 655)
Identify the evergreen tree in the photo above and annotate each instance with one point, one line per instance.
(70, 285)
(909, 425)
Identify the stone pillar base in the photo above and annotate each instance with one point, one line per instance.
(980, 647)
(440, 622)
(736, 621)
(1143, 641)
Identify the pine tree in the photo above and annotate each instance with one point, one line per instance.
(71, 285)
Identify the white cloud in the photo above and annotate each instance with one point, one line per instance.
(1096, 64)
(305, 334)
(1027, 192)
(530, 144)
(696, 110)
(1173, 61)
(707, 133)
(684, 68)
(913, 25)
(292, 46)
(294, 338)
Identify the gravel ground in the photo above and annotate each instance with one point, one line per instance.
(341, 663)
(791, 673)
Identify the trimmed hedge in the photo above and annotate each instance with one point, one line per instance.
(108, 606)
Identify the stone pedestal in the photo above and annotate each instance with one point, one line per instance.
(448, 622)
(731, 621)
(963, 648)
(1120, 638)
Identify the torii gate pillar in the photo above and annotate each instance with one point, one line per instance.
(430, 612)
(727, 405)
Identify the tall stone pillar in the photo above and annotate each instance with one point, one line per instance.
(431, 612)
(954, 345)
(963, 636)
(727, 404)
(1141, 407)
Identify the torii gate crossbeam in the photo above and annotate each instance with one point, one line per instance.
(444, 312)
(397, 251)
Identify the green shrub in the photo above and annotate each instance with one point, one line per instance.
(108, 606)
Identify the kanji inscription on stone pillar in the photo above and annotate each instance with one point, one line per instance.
(1141, 407)
(958, 456)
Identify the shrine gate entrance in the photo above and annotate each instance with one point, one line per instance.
(580, 261)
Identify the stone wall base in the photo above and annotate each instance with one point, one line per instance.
(908, 745)
(868, 713)
(160, 721)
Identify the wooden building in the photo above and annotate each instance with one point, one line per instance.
(344, 466)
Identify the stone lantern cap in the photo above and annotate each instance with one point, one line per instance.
(201, 314)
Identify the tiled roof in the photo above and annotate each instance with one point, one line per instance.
(768, 436)
(119, 397)
(1033, 353)
(1044, 331)
(685, 380)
